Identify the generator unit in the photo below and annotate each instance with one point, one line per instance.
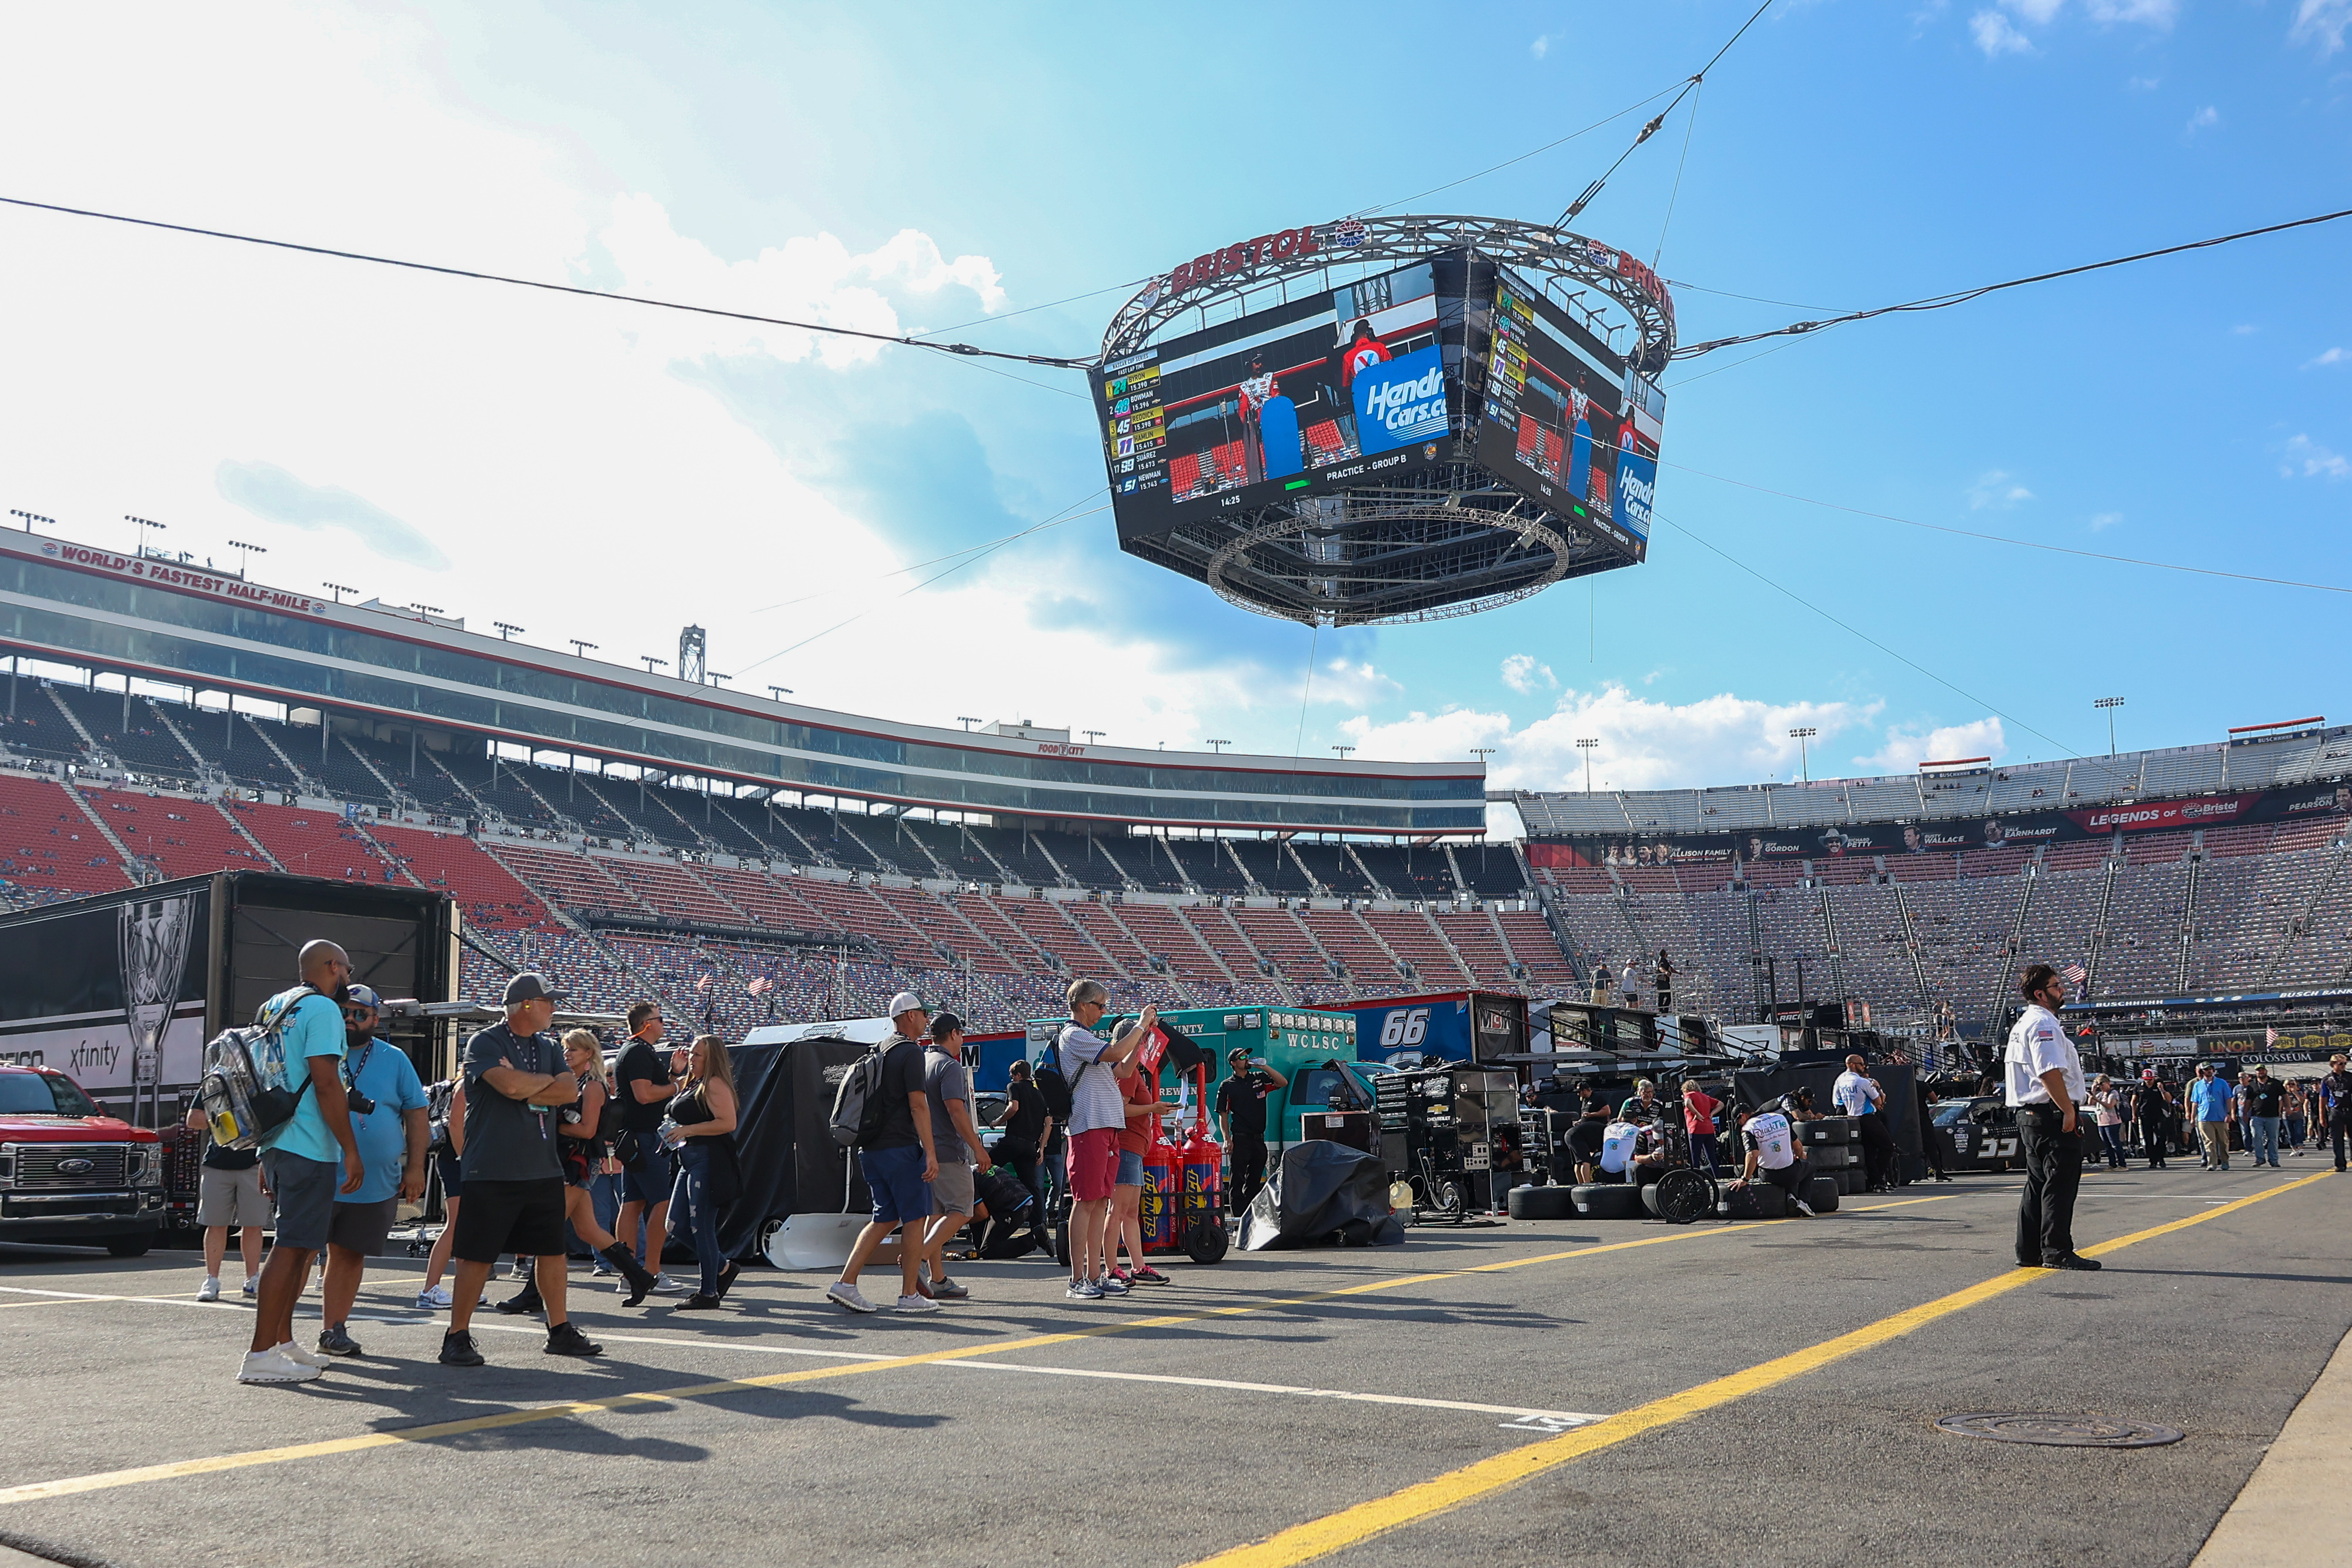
(1453, 1133)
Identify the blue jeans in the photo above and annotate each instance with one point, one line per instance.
(690, 1201)
(2113, 1135)
(2264, 1136)
(1703, 1156)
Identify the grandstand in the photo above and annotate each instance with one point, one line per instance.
(2188, 870)
(747, 862)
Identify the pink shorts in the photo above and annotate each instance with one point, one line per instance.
(1093, 1163)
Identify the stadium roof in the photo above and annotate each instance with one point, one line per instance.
(168, 621)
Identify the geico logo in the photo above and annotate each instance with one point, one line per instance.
(1389, 398)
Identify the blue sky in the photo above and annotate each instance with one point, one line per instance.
(593, 471)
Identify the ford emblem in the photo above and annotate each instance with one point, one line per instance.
(75, 1167)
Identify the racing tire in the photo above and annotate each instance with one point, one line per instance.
(1821, 1195)
(1680, 1196)
(1540, 1203)
(1607, 1201)
(1204, 1243)
(1757, 1200)
(1061, 1235)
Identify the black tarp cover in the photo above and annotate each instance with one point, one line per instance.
(784, 1142)
(1318, 1190)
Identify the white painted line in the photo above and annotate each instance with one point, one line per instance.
(1571, 1418)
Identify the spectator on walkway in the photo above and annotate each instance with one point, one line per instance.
(946, 1094)
(2153, 1105)
(2211, 1101)
(229, 1195)
(898, 1162)
(1241, 1121)
(2335, 1099)
(2297, 1124)
(1028, 1127)
(2240, 1129)
(2107, 1109)
(649, 1171)
(2265, 1103)
(386, 1104)
(515, 1083)
(307, 1159)
(1096, 1116)
(585, 1129)
(448, 1142)
(1139, 1097)
(1698, 1121)
(1053, 1155)
(705, 1112)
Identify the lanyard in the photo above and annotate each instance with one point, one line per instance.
(353, 1079)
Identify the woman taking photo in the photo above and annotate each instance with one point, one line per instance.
(703, 1136)
(587, 1153)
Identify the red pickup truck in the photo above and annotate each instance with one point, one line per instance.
(71, 1173)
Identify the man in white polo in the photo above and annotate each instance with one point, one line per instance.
(2043, 1081)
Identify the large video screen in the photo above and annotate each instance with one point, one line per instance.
(1293, 401)
(1567, 421)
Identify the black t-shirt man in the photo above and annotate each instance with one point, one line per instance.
(902, 1075)
(507, 1140)
(1241, 1100)
(1026, 1120)
(1584, 1139)
(640, 1062)
(2265, 1098)
(218, 1158)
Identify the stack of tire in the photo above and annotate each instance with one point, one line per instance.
(1834, 1145)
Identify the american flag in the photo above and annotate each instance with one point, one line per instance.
(759, 983)
(2074, 974)
(2269, 1036)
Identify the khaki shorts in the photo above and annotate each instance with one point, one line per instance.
(951, 1188)
(230, 1197)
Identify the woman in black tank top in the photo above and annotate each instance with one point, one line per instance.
(704, 1137)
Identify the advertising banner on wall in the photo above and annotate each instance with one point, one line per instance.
(1943, 835)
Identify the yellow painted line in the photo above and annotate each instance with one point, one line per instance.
(1319, 1537)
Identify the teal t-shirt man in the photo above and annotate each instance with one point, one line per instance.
(382, 1072)
(315, 1028)
(2211, 1096)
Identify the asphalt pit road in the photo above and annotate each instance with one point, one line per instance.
(2060, 1431)
(2079, 1295)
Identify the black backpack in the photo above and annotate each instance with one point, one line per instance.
(1056, 1090)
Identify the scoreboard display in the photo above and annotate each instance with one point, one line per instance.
(1567, 421)
(1301, 399)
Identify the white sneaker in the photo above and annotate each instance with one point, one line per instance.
(850, 1296)
(300, 1357)
(269, 1366)
(1083, 1291)
(918, 1304)
(210, 1290)
(433, 1297)
(666, 1286)
(1805, 1208)
(252, 1286)
(1111, 1285)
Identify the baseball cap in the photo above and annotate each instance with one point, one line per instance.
(364, 996)
(908, 1002)
(531, 985)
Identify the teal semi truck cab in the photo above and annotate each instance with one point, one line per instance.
(1313, 1048)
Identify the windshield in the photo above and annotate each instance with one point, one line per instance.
(1952, 1113)
(1317, 1088)
(42, 1094)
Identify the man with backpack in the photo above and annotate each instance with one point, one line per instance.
(1098, 1115)
(308, 1158)
(894, 1154)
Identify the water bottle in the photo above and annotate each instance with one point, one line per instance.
(670, 1133)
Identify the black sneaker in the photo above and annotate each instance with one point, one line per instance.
(457, 1350)
(2075, 1261)
(698, 1303)
(565, 1339)
(335, 1340)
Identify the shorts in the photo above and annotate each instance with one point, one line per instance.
(305, 1190)
(360, 1227)
(655, 1172)
(951, 1188)
(502, 1217)
(895, 1178)
(1131, 1169)
(1093, 1163)
(231, 1197)
(452, 1175)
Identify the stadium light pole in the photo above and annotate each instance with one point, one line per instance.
(1585, 743)
(580, 646)
(648, 661)
(1343, 751)
(144, 524)
(338, 590)
(505, 630)
(1800, 736)
(966, 720)
(2109, 704)
(1094, 735)
(1219, 745)
(31, 518)
(779, 693)
(250, 551)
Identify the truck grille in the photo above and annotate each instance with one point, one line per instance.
(38, 1167)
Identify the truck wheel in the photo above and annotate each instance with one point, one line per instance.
(133, 1246)
(1206, 1241)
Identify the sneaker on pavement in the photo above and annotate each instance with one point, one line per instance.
(337, 1341)
(252, 1286)
(1805, 1208)
(565, 1338)
(459, 1350)
(1147, 1275)
(1111, 1285)
(210, 1290)
(295, 1352)
(917, 1303)
(2073, 1260)
(666, 1286)
(433, 1298)
(850, 1296)
(1083, 1291)
(947, 1290)
(269, 1366)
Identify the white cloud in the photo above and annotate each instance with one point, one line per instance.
(2322, 21)
(1644, 745)
(2332, 356)
(2244, 330)
(2037, 12)
(1523, 675)
(1353, 686)
(1905, 749)
(1541, 47)
(2307, 459)
(2204, 119)
(1996, 36)
(2157, 14)
(1997, 489)
(2101, 521)
(2145, 84)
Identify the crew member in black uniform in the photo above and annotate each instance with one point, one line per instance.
(1241, 1121)
(2154, 1110)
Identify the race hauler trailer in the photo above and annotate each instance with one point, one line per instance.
(1478, 1026)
